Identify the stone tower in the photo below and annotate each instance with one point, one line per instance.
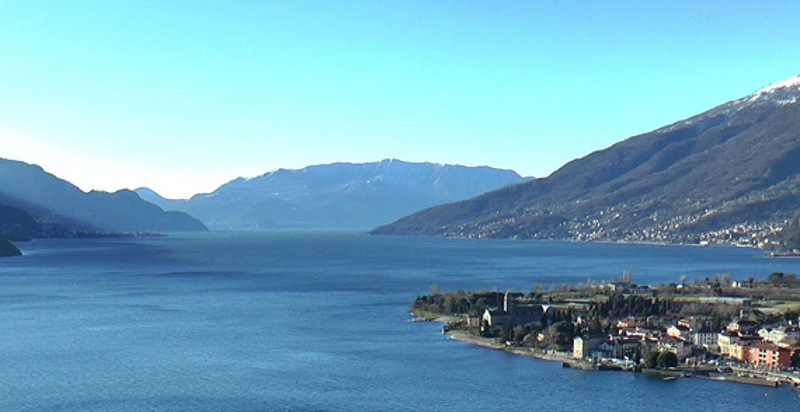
(508, 302)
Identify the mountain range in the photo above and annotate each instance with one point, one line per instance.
(338, 195)
(34, 203)
(730, 173)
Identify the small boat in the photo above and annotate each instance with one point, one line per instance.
(670, 378)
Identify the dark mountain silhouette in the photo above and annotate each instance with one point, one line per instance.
(732, 169)
(15, 224)
(8, 249)
(35, 203)
(339, 195)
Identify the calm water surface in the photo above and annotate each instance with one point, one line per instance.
(316, 321)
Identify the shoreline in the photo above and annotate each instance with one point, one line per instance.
(602, 241)
(768, 252)
(771, 380)
(563, 357)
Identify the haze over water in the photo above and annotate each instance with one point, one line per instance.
(254, 321)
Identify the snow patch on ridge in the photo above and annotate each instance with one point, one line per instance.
(791, 82)
(782, 93)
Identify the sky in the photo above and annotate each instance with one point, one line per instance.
(182, 96)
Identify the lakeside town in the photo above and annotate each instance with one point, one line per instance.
(715, 328)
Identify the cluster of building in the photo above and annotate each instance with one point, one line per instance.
(746, 340)
(761, 236)
(750, 339)
(599, 227)
(633, 337)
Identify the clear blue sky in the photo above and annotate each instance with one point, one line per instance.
(182, 96)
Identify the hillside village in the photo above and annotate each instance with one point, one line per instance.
(746, 331)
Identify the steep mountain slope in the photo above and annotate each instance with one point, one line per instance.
(790, 236)
(61, 209)
(15, 224)
(730, 170)
(339, 195)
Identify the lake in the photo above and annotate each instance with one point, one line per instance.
(263, 321)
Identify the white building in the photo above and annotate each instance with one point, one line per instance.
(776, 335)
(704, 339)
(583, 345)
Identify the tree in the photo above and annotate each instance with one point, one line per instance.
(775, 277)
(508, 333)
(463, 306)
(651, 359)
(667, 360)
(561, 333)
(594, 326)
(530, 340)
(519, 333)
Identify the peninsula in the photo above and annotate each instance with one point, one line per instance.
(716, 328)
(8, 249)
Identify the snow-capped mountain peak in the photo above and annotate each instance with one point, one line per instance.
(787, 91)
(790, 82)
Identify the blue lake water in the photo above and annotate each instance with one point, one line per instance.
(316, 321)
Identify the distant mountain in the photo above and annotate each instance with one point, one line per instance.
(339, 195)
(731, 172)
(36, 203)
